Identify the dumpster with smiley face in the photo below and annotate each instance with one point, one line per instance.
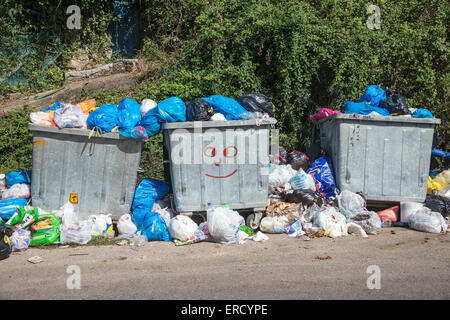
(217, 163)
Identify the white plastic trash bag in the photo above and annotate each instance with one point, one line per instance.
(369, 220)
(332, 221)
(223, 224)
(428, 221)
(163, 210)
(125, 225)
(218, 117)
(19, 190)
(281, 175)
(146, 106)
(302, 181)
(351, 202)
(100, 223)
(356, 229)
(72, 229)
(69, 116)
(275, 224)
(182, 228)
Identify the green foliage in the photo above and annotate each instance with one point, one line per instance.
(15, 144)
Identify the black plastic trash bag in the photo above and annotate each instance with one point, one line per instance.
(298, 160)
(305, 197)
(438, 204)
(257, 102)
(5, 242)
(199, 110)
(394, 103)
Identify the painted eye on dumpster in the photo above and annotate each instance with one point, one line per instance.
(210, 152)
(230, 152)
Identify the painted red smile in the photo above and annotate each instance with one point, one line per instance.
(211, 176)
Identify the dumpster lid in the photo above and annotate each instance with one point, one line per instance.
(353, 116)
(75, 131)
(218, 124)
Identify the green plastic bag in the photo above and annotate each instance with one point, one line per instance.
(246, 229)
(46, 230)
(23, 217)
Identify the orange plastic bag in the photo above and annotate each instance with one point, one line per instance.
(86, 105)
(42, 118)
(390, 214)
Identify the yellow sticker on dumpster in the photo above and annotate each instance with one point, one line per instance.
(38, 142)
(73, 198)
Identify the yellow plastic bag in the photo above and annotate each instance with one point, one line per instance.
(443, 179)
(433, 185)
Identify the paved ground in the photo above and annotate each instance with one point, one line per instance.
(413, 265)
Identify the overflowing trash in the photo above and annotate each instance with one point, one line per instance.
(303, 198)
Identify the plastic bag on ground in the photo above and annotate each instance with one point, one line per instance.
(163, 210)
(428, 221)
(368, 220)
(223, 224)
(354, 228)
(153, 226)
(20, 240)
(394, 103)
(125, 226)
(373, 95)
(42, 118)
(229, 107)
(100, 224)
(78, 232)
(257, 102)
(322, 171)
(201, 234)
(323, 113)
(302, 181)
(69, 116)
(332, 221)
(20, 176)
(351, 202)
(259, 237)
(438, 204)
(5, 242)
(9, 207)
(21, 190)
(146, 106)
(274, 224)
(45, 230)
(104, 118)
(23, 217)
(294, 229)
(182, 228)
(198, 110)
(128, 114)
(172, 109)
(390, 214)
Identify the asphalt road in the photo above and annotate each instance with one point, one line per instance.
(412, 265)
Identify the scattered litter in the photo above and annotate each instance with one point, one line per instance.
(122, 243)
(323, 258)
(35, 259)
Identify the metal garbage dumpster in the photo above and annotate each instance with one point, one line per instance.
(386, 158)
(97, 175)
(216, 163)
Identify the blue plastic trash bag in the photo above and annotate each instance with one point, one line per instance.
(20, 176)
(151, 225)
(229, 107)
(151, 122)
(8, 207)
(373, 95)
(172, 109)
(363, 108)
(148, 191)
(138, 133)
(129, 114)
(105, 118)
(322, 171)
(57, 105)
(422, 113)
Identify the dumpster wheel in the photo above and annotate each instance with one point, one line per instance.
(254, 219)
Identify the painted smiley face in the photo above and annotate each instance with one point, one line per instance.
(228, 152)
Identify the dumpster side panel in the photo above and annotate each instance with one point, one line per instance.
(98, 175)
(226, 167)
(386, 160)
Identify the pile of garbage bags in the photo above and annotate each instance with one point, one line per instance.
(140, 121)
